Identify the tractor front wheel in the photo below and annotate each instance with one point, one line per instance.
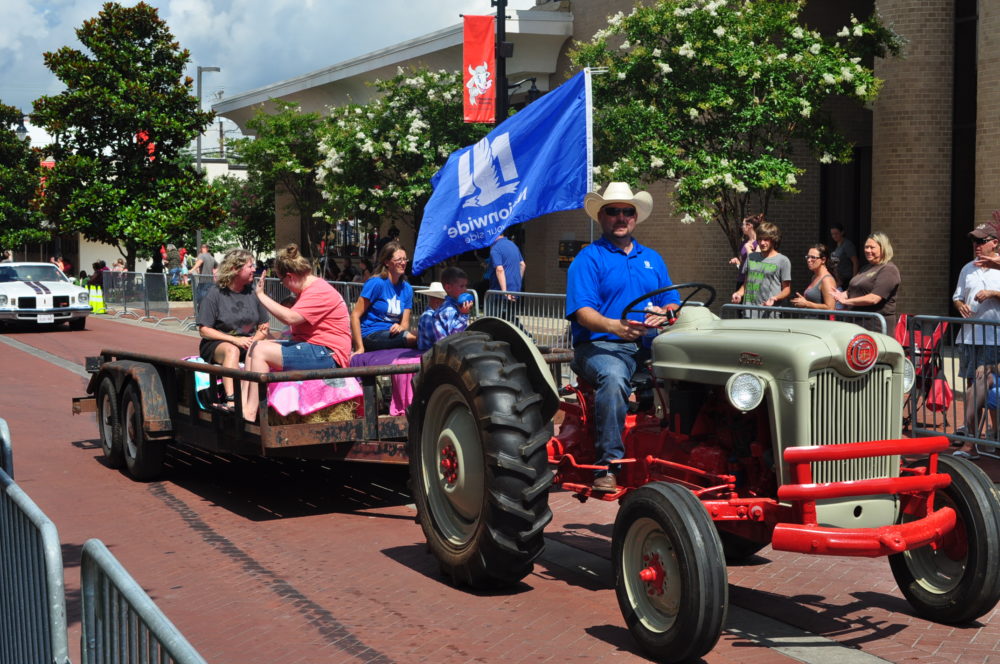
(959, 580)
(478, 464)
(670, 572)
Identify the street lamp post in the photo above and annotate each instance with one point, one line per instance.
(198, 146)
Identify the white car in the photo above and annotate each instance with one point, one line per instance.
(41, 293)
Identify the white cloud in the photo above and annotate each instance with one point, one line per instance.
(254, 42)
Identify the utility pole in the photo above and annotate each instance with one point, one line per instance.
(504, 50)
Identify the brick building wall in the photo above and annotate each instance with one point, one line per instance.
(911, 151)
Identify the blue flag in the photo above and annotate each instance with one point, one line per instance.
(534, 163)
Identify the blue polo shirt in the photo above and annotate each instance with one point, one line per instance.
(604, 278)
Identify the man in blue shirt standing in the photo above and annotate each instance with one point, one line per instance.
(603, 278)
(508, 266)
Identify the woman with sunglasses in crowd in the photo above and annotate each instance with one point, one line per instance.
(819, 293)
(381, 317)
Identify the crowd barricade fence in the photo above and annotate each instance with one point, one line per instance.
(542, 316)
(199, 288)
(277, 292)
(866, 319)
(6, 452)
(956, 391)
(120, 621)
(114, 293)
(33, 598)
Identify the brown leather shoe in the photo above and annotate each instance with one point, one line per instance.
(606, 483)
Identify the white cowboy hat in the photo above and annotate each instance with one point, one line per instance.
(436, 289)
(619, 192)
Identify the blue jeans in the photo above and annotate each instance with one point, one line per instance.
(382, 340)
(609, 366)
(175, 276)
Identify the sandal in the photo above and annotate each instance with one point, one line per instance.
(971, 456)
(227, 406)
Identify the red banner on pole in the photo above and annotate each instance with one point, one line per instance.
(479, 69)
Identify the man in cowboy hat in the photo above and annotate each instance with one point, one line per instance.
(448, 307)
(603, 278)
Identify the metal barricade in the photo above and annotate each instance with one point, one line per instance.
(349, 290)
(542, 316)
(277, 292)
(120, 622)
(6, 452)
(113, 290)
(32, 600)
(135, 293)
(157, 297)
(199, 289)
(956, 391)
(866, 319)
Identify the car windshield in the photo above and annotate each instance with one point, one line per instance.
(30, 273)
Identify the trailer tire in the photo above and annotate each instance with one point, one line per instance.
(959, 581)
(109, 423)
(478, 462)
(143, 456)
(670, 572)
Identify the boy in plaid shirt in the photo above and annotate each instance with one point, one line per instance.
(448, 308)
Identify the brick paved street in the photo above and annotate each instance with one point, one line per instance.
(292, 561)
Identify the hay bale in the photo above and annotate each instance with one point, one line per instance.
(345, 410)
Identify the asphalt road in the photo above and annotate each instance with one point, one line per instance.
(260, 560)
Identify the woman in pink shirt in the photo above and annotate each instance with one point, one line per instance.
(319, 324)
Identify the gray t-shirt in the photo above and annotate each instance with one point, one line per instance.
(237, 314)
(765, 276)
(845, 268)
(207, 264)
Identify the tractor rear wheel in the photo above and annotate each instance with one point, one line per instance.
(958, 581)
(478, 463)
(670, 572)
(109, 423)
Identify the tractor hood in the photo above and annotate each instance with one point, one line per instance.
(701, 343)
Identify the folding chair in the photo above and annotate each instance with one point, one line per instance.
(930, 383)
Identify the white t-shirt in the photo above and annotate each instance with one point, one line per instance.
(971, 280)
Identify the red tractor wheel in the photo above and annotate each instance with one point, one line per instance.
(478, 465)
(670, 572)
(959, 580)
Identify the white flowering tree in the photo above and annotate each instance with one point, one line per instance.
(714, 94)
(378, 158)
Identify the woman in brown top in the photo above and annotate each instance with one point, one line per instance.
(874, 287)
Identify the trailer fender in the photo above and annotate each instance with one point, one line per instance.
(155, 408)
(525, 350)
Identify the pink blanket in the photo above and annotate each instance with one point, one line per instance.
(308, 396)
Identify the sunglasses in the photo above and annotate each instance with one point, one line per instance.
(812, 258)
(982, 240)
(615, 211)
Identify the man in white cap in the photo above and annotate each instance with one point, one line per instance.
(448, 307)
(603, 278)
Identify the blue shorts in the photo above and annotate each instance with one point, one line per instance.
(299, 356)
(971, 357)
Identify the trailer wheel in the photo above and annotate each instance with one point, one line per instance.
(143, 457)
(109, 423)
(478, 462)
(960, 580)
(670, 572)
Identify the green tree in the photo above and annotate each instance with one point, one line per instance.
(285, 153)
(715, 94)
(20, 175)
(250, 205)
(119, 130)
(378, 158)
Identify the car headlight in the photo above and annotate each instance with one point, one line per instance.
(909, 376)
(3, 300)
(83, 298)
(745, 391)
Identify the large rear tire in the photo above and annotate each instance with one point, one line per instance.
(143, 457)
(960, 580)
(478, 463)
(670, 572)
(109, 423)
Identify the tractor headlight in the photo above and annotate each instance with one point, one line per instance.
(83, 298)
(745, 391)
(909, 376)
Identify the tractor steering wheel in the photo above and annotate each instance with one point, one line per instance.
(696, 287)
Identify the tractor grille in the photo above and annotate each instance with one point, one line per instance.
(852, 410)
(26, 303)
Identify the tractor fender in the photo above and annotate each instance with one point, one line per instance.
(524, 349)
(155, 409)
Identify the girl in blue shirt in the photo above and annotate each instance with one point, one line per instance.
(381, 317)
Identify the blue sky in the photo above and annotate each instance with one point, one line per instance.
(254, 42)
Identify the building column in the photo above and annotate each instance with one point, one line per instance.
(988, 112)
(912, 151)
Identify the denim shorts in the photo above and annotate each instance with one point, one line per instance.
(299, 355)
(971, 357)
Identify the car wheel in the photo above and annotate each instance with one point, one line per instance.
(959, 580)
(670, 572)
(143, 457)
(109, 423)
(478, 464)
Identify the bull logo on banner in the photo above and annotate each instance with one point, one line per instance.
(481, 80)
